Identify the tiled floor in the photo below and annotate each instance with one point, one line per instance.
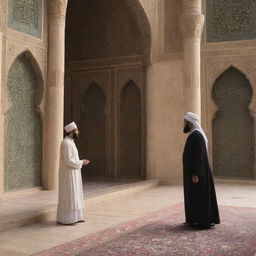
(37, 237)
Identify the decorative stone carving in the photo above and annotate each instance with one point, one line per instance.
(232, 125)
(144, 26)
(231, 20)
(213, 67)
(14, 49)
(57, 7)
(23, 129)
(26, 12)
(192, 25)
(26, 16)
(11, 49)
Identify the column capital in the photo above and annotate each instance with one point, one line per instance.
(192, 25)
(57, 8)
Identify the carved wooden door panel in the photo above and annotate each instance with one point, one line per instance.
(130, 123)
(92, 111)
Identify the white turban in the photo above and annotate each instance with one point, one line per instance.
(70, 127)
(194, 119)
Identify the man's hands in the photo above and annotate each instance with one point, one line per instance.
(86, 162)
(195, 179)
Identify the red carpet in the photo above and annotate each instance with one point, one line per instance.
(161, 233)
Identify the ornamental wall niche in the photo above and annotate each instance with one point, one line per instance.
(23, 124)
(212, 69)
(14, 49)
(232, 125)
(38, 62)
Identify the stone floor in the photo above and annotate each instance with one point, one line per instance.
(34, 238)
(95, 185)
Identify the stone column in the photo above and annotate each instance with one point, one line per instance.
(192, 22)
(2, 153)
(252, 108)
(55, 89)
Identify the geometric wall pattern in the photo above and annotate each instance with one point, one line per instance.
(230, 20)
(23, 131)
(233, 145)
(26, 16)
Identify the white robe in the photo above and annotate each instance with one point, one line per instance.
(70, 198)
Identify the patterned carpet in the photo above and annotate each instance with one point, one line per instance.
(161, 233)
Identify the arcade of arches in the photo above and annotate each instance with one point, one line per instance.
(126, 71)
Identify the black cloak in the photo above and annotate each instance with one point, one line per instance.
(200, 198)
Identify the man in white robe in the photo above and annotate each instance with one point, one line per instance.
(70, 200)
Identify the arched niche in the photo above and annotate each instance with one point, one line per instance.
(144, 27)
(130, 131)
(123, 30)
(23, 125)
(232, 125)
(92, 143)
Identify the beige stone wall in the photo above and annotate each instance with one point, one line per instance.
(216, 59)
(165, 107)
(163, 16)
(164, 89)
(153, 11)
(12, 44)
(165, 137)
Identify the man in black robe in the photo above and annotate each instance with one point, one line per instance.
(201, 208)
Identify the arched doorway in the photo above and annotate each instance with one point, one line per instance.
(107, 44)
(130, 144)
(93, 123)
(233, 126)
(23, 126)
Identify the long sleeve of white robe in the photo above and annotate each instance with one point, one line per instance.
(70, 198)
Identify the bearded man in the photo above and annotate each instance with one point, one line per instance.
(201, 208)
(70, 197)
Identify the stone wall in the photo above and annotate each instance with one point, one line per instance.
(23, 29)
(228, 47)
(165, 109)
(107, 49)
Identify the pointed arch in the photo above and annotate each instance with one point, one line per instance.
(93, 126)
(222, 70)
(232, 125)
(38, 75)
(23, 125)
(130, 131)
(94, 98)
(144, 27)
(233, 72)
(140, 23)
